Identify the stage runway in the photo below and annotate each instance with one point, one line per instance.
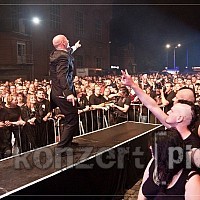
(40, 168)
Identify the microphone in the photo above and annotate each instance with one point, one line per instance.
(62, 97)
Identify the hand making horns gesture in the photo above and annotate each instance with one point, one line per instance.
(127, 79)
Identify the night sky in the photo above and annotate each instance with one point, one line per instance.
(150, 27)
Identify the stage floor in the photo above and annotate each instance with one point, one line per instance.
(21, 171)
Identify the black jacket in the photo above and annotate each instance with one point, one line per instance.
(61, 73)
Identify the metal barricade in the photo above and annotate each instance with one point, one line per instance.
(100, 118)
(58, 126)
(92, 120)
(102, 121)
(140, 117)
(135, 108)
(81, 129)
(86, 121)
(106, 112)
(54, 126)
(16, 140)
(20, 139)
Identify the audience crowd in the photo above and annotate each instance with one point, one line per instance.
(27, 121)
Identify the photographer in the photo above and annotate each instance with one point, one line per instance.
(167, 95)
(122, 106)
(156, 95)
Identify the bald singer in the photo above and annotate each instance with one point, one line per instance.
(63, 93)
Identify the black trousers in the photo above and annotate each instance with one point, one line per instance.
(70, 126)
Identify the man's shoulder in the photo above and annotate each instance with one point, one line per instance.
(57, 54)
(100, 96)
(17, 108)
(172, 93)
(92, 95)
(193, 140)
(44, 101)
(3, 110)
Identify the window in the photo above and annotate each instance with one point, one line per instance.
(18, 18)
(15, 12)
(98, 62)
(22, 26)
(79, 28)
(98, 30)
(55, 17)
(21, 52)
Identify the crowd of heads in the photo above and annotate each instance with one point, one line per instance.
(21, 90)
(110, 84)
(186, 89)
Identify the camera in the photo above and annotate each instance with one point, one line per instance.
(158, 86)
(164, 88)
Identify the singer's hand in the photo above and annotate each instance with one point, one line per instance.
(71, 98)
(77, 44)
(8, 123)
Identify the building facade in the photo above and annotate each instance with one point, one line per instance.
(25, 46)
(122, 57)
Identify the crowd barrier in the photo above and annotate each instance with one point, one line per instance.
(102, 117)
(89, 121)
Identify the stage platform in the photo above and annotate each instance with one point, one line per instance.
(105, 163)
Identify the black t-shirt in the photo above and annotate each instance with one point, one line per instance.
(196, 126)
(24, 112)
(121, 102)
(150, 190)
(4, 133)
(3, 115)
(43, 106)
(193, 140)
(83, 102)
(96, 100)
(197, 121)
(13, 114)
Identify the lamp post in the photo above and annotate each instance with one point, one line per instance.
(168, 46)
(36, 21)
(187, 58)
(178, 45)
(25, 23)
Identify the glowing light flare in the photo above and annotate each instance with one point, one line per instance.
(36, 20)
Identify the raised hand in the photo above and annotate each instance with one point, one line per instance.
(127, 79)
(77, 44)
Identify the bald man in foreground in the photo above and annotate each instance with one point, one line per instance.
(181, 116)
(189, 95)
(183, 93)
(63, 93)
